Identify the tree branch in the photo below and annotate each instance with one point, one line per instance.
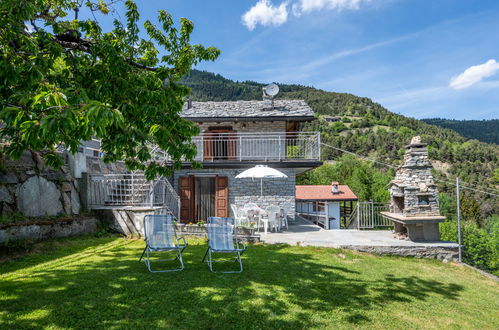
(84, 46)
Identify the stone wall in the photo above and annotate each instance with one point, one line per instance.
(275, 191)
(247, 126)
(47, 229)
(95, 165)
(29, 187)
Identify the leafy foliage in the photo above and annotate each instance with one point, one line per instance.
(65, 80)
(482, 130)
(480, 248)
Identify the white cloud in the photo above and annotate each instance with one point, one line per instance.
(306, 6)
(265, 13)
(474, 74)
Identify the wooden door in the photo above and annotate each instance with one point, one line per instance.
(186, 187)
(222, 196)
(208, 145)
(231, 145)
(219, 144)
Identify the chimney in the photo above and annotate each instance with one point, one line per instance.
(189, 103)
(335, 187)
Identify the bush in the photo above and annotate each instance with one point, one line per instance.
(480, 248)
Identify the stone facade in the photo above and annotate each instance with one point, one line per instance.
(247, 126)
(29, 187)
(280, 192)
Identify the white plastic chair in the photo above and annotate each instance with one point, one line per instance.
(284, 216)
(239, 215)
(272, 220)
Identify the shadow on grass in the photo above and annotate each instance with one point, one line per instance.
(281, 287)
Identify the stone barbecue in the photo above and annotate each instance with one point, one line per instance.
(414, 197)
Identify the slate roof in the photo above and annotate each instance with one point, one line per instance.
(249, 110)
(324, 193)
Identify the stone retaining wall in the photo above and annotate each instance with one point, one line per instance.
(42, 230)
(29, 187)
(435, 252)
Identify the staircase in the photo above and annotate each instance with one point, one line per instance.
(132, 190)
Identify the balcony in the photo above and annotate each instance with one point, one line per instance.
(261, 147)
(247, 147)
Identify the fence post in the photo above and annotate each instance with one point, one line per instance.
(358, 215)
(280, 148)
(240, 148)
(458, 219)
(326, 210)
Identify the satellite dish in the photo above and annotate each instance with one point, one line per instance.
(271, 90)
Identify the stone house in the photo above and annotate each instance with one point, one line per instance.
(237, 135)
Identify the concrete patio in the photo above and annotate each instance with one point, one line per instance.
(305, 233)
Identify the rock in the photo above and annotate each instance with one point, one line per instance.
(25, 161)
(6, 209)
(23, 177)
(66, 186)
(38, 197)
(8, 178)
(55, 175)
(5, 195)
(341, 255)
(66, 202)
(416, 140)
(75, 201)
(40, 164)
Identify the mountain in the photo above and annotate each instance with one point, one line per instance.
(482, 130)
(359, 125)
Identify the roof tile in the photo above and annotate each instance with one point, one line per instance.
(247, 109)
(324, 193)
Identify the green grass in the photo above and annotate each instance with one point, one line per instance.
(98, 283)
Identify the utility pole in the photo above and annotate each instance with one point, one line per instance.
(458, 219)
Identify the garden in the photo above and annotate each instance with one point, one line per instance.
(97, 282)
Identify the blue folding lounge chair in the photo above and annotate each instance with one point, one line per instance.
(160, 235)
(221, 240)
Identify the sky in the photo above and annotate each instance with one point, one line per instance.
(419, 58)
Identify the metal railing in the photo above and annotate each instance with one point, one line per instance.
(368, 215)
(131, 190)
(236, 146)
(213, 147)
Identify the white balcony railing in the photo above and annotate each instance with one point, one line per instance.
(214, 147)
(258, 146)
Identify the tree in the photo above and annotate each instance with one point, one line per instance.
(65, 80)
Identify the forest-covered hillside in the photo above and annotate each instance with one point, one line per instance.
(367, 128)
(483, 130)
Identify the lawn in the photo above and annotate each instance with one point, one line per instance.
(98, 283)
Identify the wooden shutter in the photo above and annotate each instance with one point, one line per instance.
(186, 185)
(222, 196)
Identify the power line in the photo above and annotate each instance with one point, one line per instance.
(464, 187)
(359, 156)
